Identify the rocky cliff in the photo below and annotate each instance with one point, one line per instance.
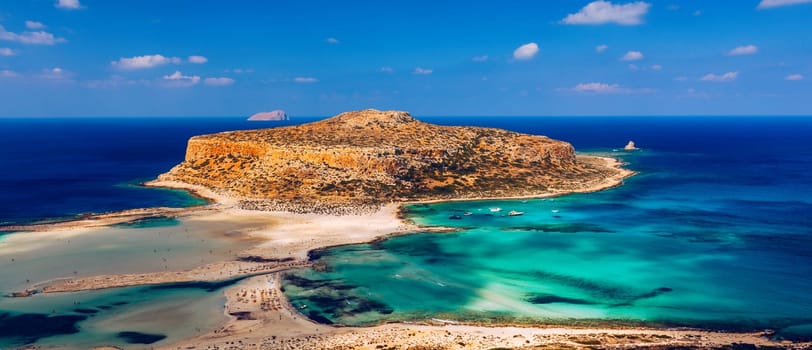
(370, 157)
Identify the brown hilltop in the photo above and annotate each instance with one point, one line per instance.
(370, 157)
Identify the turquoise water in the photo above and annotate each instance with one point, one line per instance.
(677, 245)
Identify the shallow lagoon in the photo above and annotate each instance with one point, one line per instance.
(145, 316)
(133, 317)
(668, 248)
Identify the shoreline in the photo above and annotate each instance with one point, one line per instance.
(283, 325)
(612, 182)
(275, 323)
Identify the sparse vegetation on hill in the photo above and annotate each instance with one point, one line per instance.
(370, 157)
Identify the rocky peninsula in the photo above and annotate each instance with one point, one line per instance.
(367, 158)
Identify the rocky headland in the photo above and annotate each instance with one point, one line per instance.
(366, 158)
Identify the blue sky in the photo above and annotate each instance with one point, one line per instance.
(319, 58)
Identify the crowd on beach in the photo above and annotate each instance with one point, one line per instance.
(310, 207)
(269, 299)
(273, 266)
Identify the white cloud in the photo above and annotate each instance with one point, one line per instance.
(656, 67)
(596, 87)
(482, 58)
(305, 80)
(68, 4)
(5, 73)
(177, 79)
(601, 48)
(146, 61)
(198, 59)
(240, 70)
(332, 41)
(697, 13)
(604, 88)
(423, 71)
(743, 50)
(633, 66)
(602, 12)
(526, 51)
(38, 37)
(765, 4)
(34, 25)
(729, 76)
(386, 70)
(218, 81)
(632, 56)
(794, 77)
(4, 51)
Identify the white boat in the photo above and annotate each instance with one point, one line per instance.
(554, 210)
(496, 210)
(467, 213)
(515, 213)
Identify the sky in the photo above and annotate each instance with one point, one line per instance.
(432, 58)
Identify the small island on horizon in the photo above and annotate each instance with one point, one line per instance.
(275, 115)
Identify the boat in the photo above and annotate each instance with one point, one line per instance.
(455, 217)
(496, 210)
(467, 213)
(554, 210)
(515, 213)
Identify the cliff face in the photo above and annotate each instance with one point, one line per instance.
(374, 156)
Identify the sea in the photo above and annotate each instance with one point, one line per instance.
(715, 231)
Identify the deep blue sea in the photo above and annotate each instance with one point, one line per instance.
(57, 168)
(715, 230)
